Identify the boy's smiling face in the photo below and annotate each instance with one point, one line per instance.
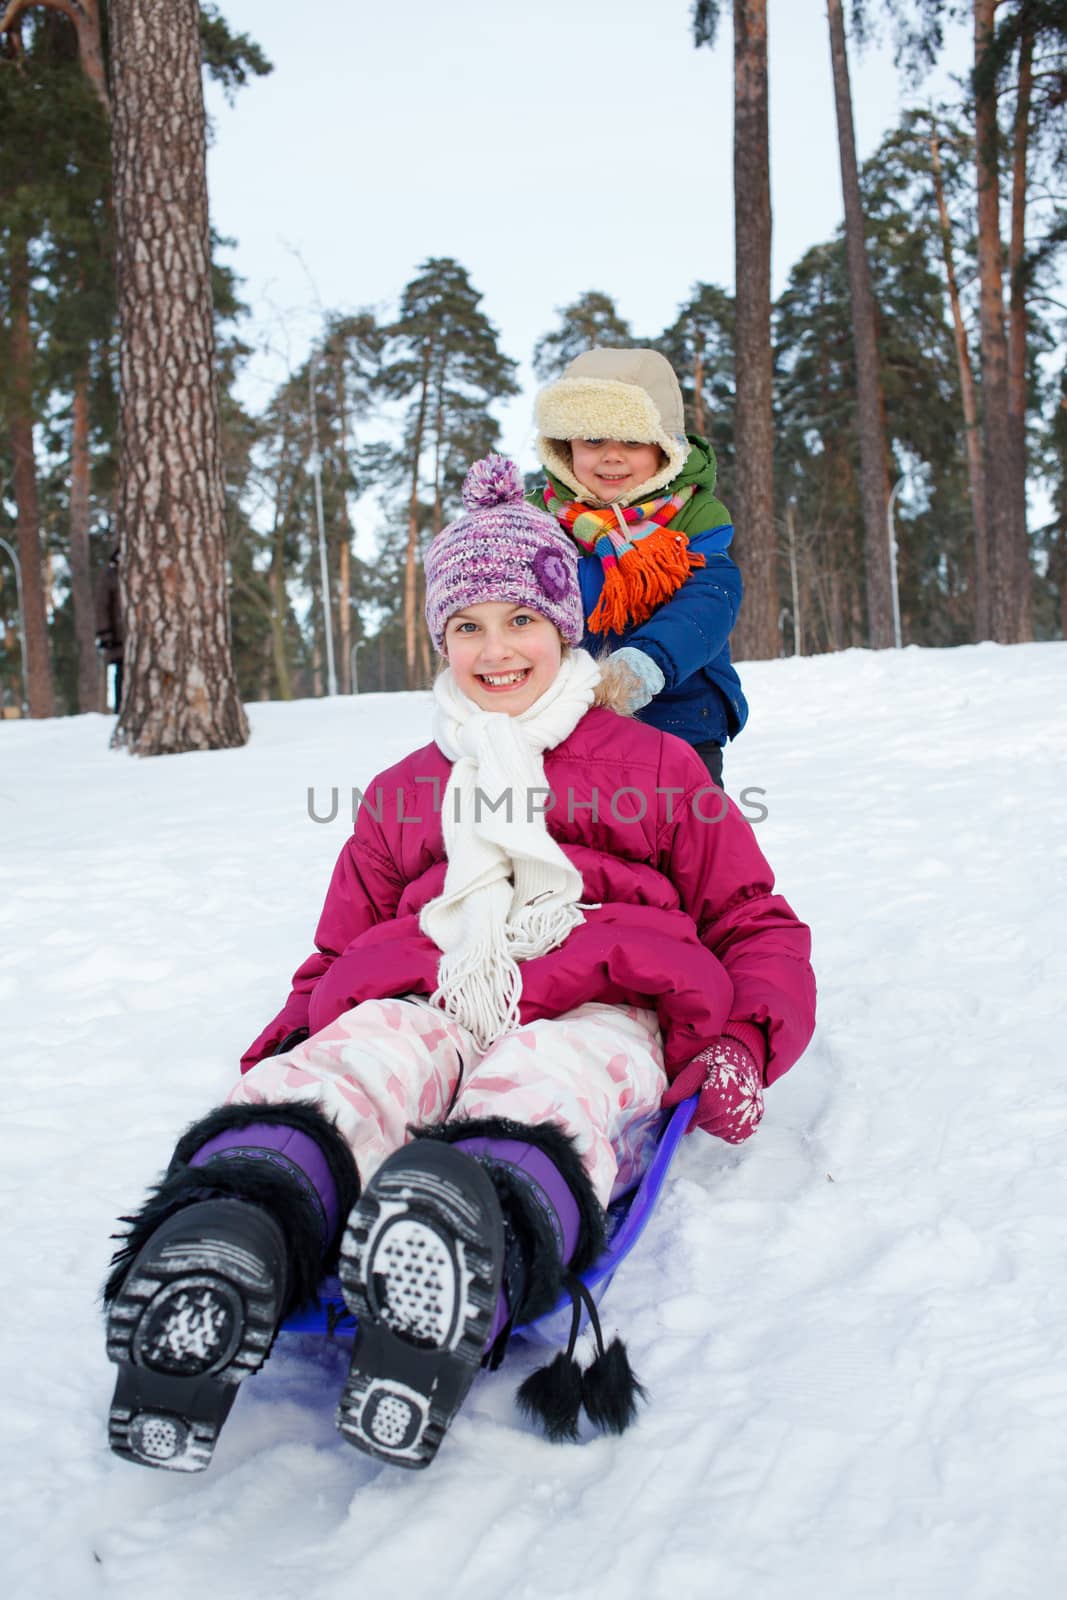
(611, 468)
(503, 657)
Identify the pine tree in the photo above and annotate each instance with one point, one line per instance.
(753, 488)
(351, 354)
(1019, 46)
(1055, 535)
(57, 48)
(590, 322)
(817, 448)
(36, 147)
(996, 457)
(699, 344)
(968, 387)
(869, 417)
(442, 360)
(180, 691)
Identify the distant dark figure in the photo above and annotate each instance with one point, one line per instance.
(110, 635)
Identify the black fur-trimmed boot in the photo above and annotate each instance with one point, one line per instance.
(555, 1231)
(464, 1232)
(236, 1234)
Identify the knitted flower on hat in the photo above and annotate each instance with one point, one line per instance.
(503, 550)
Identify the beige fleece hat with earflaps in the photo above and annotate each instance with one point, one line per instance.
(630, 395)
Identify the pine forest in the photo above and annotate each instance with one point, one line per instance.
(921, 345)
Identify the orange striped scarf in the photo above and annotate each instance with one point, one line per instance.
(644, 560)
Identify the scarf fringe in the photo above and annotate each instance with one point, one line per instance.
(479, 986)
(537, 929)
(642, 578)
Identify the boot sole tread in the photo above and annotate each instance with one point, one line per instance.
(402, 1393)
(171, 1419)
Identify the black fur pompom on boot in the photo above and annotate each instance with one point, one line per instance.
(554, 1230)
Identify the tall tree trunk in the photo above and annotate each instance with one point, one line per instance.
(35, 618)
(80, 578)
(997, 473)
(1017, 334)
(756, 636)
(968, 396)
(870, 415)
(437, 522)
(411, 586)
(794, 578)
(425, 661)
(180, 690)
(698, 385)
(279, 610)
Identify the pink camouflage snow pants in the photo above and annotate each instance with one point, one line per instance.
(386, 1064)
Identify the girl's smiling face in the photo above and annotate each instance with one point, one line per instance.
(503, 657)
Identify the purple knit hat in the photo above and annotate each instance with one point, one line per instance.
(502, 549)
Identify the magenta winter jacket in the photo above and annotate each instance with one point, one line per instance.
(684, 916)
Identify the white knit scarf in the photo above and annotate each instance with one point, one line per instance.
(510, 893)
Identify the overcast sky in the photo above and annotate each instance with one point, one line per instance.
(551, 148)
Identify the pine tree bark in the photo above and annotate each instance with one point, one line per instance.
(870, 414)
(279, 609)
(1017, 334)
(756, 636)
(180, 690)
(39, 686)
(1003, 602)
(80, 579)
(969, 399)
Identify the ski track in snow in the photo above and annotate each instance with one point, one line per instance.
(853, 1328)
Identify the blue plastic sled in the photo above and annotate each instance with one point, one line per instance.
(627, 1219)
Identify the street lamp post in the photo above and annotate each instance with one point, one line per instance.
(353, 664)
(893, 585)
(22, 623)
(315, 468)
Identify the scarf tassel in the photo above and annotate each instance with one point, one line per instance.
(641, 579)
(479, 986)
(537, 929)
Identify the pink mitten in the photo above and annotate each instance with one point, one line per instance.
(729, 1080)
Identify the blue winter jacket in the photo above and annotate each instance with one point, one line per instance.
(689, 640)
(689, 636)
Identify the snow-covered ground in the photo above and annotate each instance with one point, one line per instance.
(854, 1328)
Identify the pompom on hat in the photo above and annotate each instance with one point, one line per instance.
(504, 550)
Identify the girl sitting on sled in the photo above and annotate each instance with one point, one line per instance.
(547, 925)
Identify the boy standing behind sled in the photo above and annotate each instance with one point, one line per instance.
(636, 494)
